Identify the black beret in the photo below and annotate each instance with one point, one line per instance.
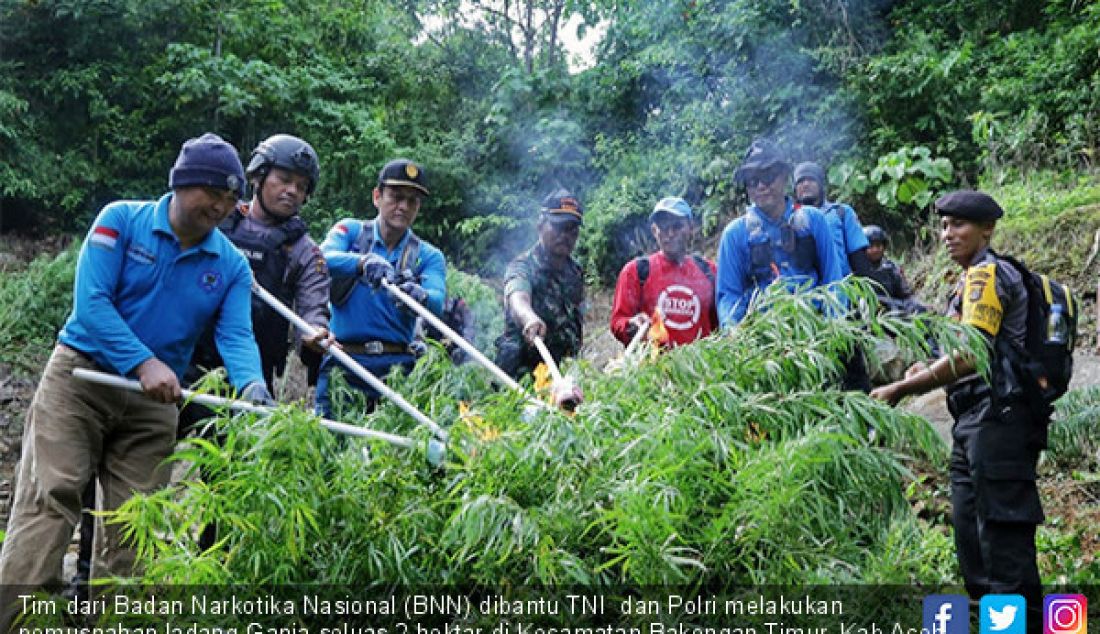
(970, 205)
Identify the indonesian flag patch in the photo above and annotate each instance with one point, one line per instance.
(105, 237)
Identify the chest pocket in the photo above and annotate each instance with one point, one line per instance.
(796, 248)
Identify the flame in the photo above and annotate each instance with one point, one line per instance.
(658, 334)
(476, 423)
(542, 377)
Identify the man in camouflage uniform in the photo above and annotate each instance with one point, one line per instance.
(544, 291)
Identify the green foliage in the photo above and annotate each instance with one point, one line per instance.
(483, 303)
(34, 303)
(906, 180)
(735, 467)
(1074, 434)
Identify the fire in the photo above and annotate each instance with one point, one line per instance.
(658, 334)
(542, 377)
(476, 423)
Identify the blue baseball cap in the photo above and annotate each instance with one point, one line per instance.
(672, 205)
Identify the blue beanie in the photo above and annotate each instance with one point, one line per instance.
(208, 161)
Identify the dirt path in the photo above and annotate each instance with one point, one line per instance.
(933, 406)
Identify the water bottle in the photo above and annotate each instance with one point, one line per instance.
(1057, 326)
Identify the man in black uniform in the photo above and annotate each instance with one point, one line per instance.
(896, 293)
(997, 435)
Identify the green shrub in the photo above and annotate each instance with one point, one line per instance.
(728, 461)
(34, 303)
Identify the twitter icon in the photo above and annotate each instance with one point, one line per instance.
(1002, 614)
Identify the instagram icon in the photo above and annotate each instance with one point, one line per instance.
(1065, 614)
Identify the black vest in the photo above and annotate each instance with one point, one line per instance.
(269, 258)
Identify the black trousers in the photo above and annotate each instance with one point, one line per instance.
(994, 496)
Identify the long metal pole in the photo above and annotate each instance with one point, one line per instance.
(349, 363)
(548, 359)
(441, 326)
(113, 380)
(634, 341)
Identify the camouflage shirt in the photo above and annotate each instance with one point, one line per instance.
(557, 297)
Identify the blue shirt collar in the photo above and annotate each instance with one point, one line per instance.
(162, 225)
(768, 219)
(379, 241)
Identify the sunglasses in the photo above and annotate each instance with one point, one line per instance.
(763, 177)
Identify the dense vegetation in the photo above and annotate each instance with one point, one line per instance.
(96, 96)
(737, 465)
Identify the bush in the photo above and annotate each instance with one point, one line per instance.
(33, 306)
(736, 467)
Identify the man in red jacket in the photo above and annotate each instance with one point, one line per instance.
(674, 282)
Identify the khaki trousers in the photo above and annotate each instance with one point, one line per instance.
(75, 429)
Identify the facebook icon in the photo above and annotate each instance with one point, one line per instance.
(946, 614)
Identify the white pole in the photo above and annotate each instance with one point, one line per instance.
(548, 359)
(441, 326)
(113, 380)
(349, 363)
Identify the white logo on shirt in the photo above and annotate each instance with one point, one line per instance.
(680, 307)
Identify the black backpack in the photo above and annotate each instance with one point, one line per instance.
(1044, 366)
(642, 264)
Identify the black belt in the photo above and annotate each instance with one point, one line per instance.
(375, 347)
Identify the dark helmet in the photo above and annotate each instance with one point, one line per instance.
(288, 152)
(875, 233)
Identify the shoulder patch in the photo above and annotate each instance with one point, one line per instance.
(981, 307)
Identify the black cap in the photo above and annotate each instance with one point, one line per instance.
(403, 172)
(970, 205)
(562, 205)
(760, 156)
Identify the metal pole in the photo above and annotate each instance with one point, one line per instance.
(350, 363)
(113, 380)
(439, 325)
(634, 341)
(548, 359)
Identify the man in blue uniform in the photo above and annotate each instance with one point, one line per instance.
(773, 240)
(851, 246)
(372, 326)
(851, 243)
(997, 434)
(150, 277)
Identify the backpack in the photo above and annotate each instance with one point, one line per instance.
(341, 288)
(1044, 366)
(642, 264)
(458, 316)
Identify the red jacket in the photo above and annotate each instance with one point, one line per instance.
(685, 294)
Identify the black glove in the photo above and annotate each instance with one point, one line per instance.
(416, 292)
(258, 394)
(375, 269)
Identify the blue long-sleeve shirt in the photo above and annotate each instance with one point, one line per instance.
(139, 295)
(847, 232)
(736, 283)
(371, 314)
